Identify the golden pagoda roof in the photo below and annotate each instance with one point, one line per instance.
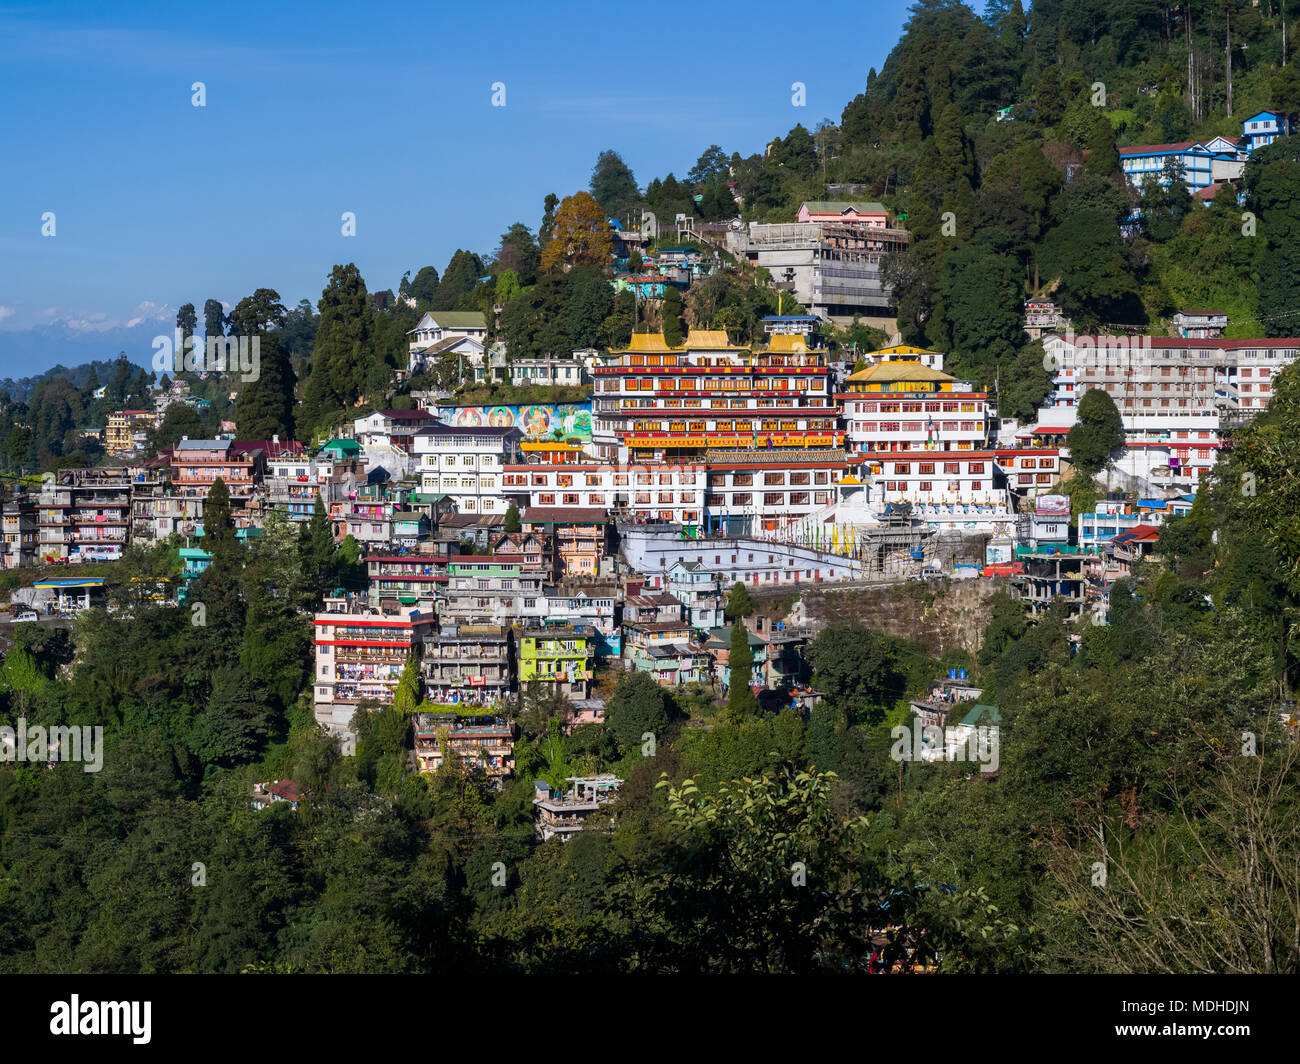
(790, 343)
(707, 338)
(891, 372)
(649, 342)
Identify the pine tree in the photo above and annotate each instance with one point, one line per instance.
(739, 603)
(265, 405)
(218, 524)
(741, 703)
(214, 318)
(343, 340)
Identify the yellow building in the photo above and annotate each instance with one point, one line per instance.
(122, 425)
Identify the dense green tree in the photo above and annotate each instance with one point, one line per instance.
(741, 703)
(672, 311)
(214, 318)
(519, 252)
(740, 604)
(265, 406)
(339, 362)
(1272, 181)
(613, 185)
(1097, 434)
(638, 705)
(458, 280)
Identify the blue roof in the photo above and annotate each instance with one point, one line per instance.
(90, 581)
(792, 317)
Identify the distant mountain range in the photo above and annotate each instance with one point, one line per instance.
(45, 347)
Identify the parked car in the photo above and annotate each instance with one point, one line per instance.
(965, 572)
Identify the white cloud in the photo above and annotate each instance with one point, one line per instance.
(6, 312)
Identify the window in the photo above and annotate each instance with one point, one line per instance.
(546, 500)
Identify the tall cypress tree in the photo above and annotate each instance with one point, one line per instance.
(343, 341)
(265, 406)
(741, 702)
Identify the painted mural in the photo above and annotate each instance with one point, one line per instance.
(536, 421)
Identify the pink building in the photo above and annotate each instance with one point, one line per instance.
(871, 215)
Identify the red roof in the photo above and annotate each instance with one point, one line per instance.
(1178, 342)
(566, 515)
(271, 448)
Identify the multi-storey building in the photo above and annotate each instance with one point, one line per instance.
(667, 650)
(20, 530)
(641, 493)
(294, 480)
(1043, 316)
(487, 742)
(595, 607)
(361, 653)
(653, 401)
(119, 437)
(640, 605)
(576, 537)
(496, 588)
(366, 514)
(557, 655)
(566, 814)
(760, 492)
(392, 428)
(84, 515)
(410, 580)
(832, 267)
(920, 436)
(903, 405)
(467, 464)
(439, 325)
(468, 664)
(1152, 162)
(1173, 392)
(196, 465)
(1263, 128)
(700, 591)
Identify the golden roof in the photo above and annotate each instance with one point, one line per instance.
(905, 349)
(891, 372)
(707, 338)
(790, 344)
(649, 342)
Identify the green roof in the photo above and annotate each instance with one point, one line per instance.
(839, 206)
(346, 447)
(980, 714)
(459, 319)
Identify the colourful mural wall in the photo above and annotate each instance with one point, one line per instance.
(536, 422)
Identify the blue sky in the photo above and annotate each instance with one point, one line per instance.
(382, 108)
